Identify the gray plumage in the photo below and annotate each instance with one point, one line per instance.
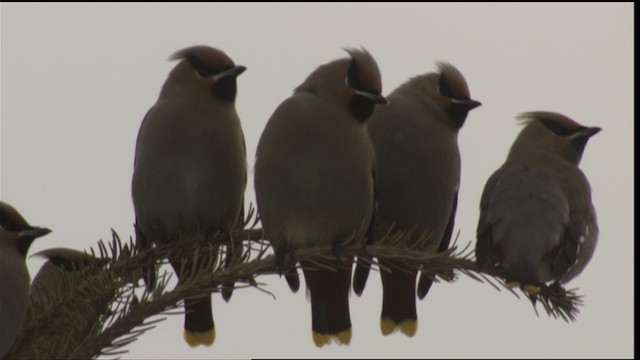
(16, 236)
(315, 174)
(416, 142)
(190, 164)
(58, 260)
(537, 223)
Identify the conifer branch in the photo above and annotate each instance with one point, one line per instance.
(104, 307)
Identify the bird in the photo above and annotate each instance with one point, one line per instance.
(58, 260)
(416, 143)
(190, 169)
(315, 176)
(64, 294)
(16, 237)
(537, 222)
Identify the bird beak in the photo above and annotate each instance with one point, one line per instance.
(586, 132)
(467, 104)
(35, 232)
(234, 71)
(375, 98)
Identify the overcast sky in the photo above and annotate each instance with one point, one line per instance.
(77, 80)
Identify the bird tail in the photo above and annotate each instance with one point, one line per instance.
(398, 300)
(198, 322)
(199, 328)
(329, 290)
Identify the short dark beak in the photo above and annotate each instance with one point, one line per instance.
(35, 232)
(467, 104)
(234, 71)
(586, 133)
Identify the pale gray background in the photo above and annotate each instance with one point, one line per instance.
(78, 79)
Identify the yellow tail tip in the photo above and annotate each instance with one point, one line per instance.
(321, 339)
(407, 327)
(341, 338)
(194, 339)
(387, 326)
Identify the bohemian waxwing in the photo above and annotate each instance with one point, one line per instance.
(60, 285)
(58, 260)
(537, 223)
(315, 176)
(190, 166)
(416, 143)
(16, 236)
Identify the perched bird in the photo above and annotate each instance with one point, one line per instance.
(416, 143)
(60, 298)
(537, 223)
(315, 175)
(190, 166)
(16, 236)
(58, 260)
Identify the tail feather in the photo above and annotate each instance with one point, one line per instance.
(407, 327)
(198, 322)
(199, 328)
(398, 300)
(329, 290)
(196, 339)
(342, 338)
